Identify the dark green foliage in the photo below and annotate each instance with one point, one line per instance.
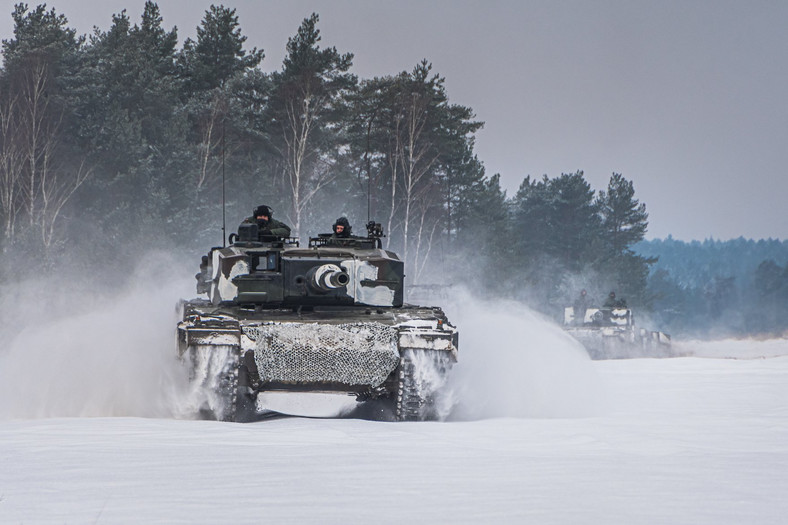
(218, 53)
(121, 142)
(566, 238)
(624, 219)
(414, 151)
(40, 167)
(38, 34)
(624, 222)
(130, 125)
(304, 119)
(556, 218)
(770, 293)
(719, 288)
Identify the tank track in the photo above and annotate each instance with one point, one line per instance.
(227, 392)
(417, 395)
(226, 382)
(220, 384)
(235, 403)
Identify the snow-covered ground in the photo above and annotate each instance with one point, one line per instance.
(93, 430)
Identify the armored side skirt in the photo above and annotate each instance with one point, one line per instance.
(321, 363)
(615, 343)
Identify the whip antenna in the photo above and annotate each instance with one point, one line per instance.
(224, 214)
(369, 173)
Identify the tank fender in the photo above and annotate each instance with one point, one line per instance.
(428, 335)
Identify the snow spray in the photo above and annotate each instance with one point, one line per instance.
(94, 353)
(748, 348)
(514, 363)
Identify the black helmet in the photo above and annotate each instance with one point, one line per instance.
(263, 210)
(342, 221)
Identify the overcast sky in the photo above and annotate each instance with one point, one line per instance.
(685, 98)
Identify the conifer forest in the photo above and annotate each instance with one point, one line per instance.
(127, 140)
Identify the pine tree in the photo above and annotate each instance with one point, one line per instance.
(624, 222)
(624, 218)
(39, 35)
(128, 99)
(39, 170)
(557, 219)
(414, 151)
(305, 113)
(218, 54)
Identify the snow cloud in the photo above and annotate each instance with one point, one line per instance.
(76, 351)
(70, 350)
(514, 363)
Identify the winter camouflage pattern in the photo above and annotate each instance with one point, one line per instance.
(610, 333)
(320, 330)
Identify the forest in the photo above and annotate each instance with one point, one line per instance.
(125, 140)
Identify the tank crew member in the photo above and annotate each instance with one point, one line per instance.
(612, 302)
(342, 229)
(268, 226)
(580, 306)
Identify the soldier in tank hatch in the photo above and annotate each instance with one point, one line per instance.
(613, 302)
(267, 226)
(610, 302)
(342, 229)
(580, 307)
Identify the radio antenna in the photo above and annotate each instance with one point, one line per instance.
(369, 171)
(224, 214)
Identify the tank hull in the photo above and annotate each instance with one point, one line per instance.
(317, 361)
(612, 343)
(610, 333)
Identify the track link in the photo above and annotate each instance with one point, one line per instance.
(421, 375)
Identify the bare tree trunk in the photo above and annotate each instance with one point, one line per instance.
(415, 166)
(36, 131)
(300, 122)
(422, 258)
(206, 146)
(305, 178)
(394, 157)
(56, 191)
(44, 186)
(213, 138)
(11, 164)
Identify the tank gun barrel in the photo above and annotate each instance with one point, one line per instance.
(327, 277)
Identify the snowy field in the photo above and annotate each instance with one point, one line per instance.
(93, 429)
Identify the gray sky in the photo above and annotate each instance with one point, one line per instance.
(685, 98)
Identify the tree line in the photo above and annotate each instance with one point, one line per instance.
(719, 288)
(120, 141)
(137, 139)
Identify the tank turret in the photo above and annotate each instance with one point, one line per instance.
(276, 272)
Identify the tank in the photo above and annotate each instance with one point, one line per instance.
(610, 333)
(317, 331)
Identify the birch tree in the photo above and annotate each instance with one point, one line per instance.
(37, 179)
(11, 164)
(306, 115)
(424, 141)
